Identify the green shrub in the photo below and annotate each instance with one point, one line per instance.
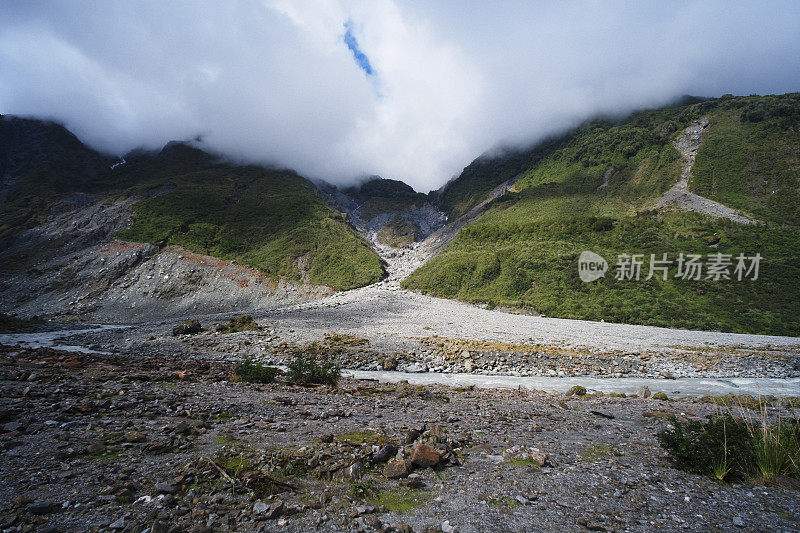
(733, 450)
(314, 367)
(254, 372)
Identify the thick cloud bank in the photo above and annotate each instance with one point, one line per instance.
(409, 90)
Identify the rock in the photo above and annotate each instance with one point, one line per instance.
(158, 527)
(643, 392)
(187, 327)
(397, 468)
(576, 390)
(274, 511)
(117, 524)
(390, 363)
(134, 436)
(412, 435)
(96, 448)
(12, 426)
(384, 454)
(163, 487)
(399, 527)
(526, 454)
(738, 522)
(367, 508)
(447, 528)
(660, 396)
(260, 507)
(354, 471)
(41, 507)
(425, 456)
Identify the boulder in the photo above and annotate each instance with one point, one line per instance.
(397, 468)
(425, 456)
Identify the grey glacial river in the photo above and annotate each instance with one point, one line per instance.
(672, 387)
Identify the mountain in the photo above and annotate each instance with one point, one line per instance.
(85, 235)
(715, 176)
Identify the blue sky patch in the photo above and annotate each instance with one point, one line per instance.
(361, 58)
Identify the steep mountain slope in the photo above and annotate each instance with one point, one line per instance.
(83, 239)
(597, 189)
(40, 162)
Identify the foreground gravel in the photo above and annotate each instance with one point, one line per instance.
(126, 443)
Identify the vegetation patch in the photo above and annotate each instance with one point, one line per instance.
(344, 339)
(729, 449)
(251, 371)
(523, 251)
(362, 437)
(595, 452)
(10, 323)
(313, 366)
(239, 323)
(401, 500)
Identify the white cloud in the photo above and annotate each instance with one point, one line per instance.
(274, 82)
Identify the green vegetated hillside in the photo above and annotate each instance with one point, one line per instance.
(272, 220)
(524, 250)
(381, 195)
(40, 162)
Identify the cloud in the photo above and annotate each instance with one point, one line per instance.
(409, 90)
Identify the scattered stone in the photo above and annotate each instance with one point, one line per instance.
(163, 487)
(41, 507)
(412, 435)
(384, 454)
(96, 448)
(366, 508)
(397, 468)
(274, 511)
(134, 436)
(425, 456)
(12, 426)
(354, 471)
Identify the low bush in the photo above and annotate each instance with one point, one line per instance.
(314, 367)
(239, 323)
(254, 372)
(732, 450)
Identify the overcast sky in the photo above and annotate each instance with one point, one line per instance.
(411, 90)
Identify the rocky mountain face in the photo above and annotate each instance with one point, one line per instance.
(86, 236)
